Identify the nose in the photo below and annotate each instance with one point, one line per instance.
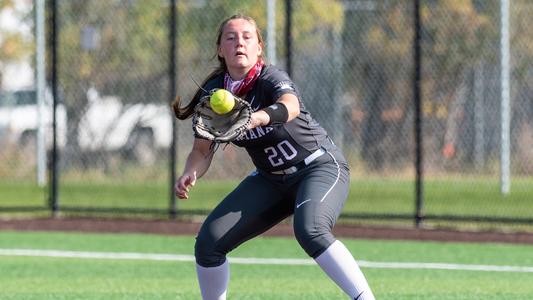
(239, 40)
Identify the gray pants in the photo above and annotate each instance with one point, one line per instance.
(314, 195)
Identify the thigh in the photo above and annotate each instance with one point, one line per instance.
(251, 209)
(321, 195)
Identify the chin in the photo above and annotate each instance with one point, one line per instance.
(240, 65)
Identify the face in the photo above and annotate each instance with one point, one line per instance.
(239, 45)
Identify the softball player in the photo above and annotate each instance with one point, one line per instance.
(300, 172)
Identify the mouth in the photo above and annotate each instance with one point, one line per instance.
(240, 53)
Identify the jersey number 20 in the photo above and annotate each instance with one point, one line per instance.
(281, 153)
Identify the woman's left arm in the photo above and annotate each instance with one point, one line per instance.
(290, 101)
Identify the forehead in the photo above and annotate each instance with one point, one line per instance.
(239, 25)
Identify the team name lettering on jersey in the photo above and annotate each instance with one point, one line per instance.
(255, 133)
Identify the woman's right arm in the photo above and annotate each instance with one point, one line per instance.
(197, 164)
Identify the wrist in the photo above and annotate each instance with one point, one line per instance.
(277, 113)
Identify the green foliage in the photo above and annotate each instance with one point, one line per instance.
(391, 36)
(456, 32)
(129, 43)
(14, 46)
(6, 4)
(521, 37)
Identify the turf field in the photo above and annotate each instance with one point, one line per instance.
(133, 266)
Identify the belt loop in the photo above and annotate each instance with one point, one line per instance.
(314, 156)
(309, 159)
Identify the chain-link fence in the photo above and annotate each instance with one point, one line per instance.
(353, 61)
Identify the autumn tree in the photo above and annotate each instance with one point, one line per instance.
(14, 46)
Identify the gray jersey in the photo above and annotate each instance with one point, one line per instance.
(279, 147)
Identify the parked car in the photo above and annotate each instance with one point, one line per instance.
(19, 119)
(139, 130)
(107, 125)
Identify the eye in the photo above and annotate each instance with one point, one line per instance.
(230, 37)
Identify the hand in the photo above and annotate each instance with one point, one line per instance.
(258, 118)
(183, 184)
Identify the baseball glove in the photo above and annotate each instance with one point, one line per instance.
(221, 128)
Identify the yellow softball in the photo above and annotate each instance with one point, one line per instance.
(222, 101)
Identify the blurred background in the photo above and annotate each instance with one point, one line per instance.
(110, 69)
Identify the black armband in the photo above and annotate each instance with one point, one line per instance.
(278, 113)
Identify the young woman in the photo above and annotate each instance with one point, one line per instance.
(299, 172)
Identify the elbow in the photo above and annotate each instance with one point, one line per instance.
(292, 104)
(293, 112)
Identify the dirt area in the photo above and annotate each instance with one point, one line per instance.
(173, 227)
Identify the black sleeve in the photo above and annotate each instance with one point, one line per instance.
(279, 83)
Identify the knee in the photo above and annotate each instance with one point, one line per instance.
(314, 240)
(207, 251)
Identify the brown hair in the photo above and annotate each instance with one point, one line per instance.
(185, 112)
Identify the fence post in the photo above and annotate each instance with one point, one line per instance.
(172, 91)
(419, 193)
(505, 148)
(54, 32)
(288, 34)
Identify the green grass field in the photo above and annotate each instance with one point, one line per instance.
(42, 278)
(467, 196)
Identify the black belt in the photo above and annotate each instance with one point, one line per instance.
(301, 164)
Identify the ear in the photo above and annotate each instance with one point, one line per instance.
(259, 49)
(219, 52)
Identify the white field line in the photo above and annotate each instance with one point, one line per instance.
(257, 261)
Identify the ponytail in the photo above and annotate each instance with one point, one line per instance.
(186, 112)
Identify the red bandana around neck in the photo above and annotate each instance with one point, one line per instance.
(241, 87)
